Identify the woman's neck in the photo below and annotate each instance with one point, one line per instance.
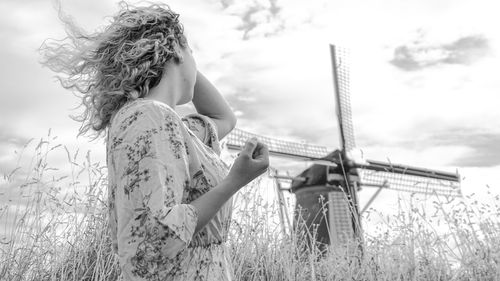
(170, 89)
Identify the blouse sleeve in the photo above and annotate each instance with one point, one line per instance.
(152, 168)
(205, 129)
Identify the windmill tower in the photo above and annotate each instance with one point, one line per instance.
(330, 185)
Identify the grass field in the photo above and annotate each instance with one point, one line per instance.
(54, 227)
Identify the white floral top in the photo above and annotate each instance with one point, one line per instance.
(158, 163)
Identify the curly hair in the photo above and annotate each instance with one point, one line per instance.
(121, 62)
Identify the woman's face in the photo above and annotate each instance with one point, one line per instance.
(188, 73)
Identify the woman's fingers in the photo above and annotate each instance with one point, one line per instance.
(250, 146)
(261, 151)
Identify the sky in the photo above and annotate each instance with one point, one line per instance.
(423, 77)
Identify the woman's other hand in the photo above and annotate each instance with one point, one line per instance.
(251, 162)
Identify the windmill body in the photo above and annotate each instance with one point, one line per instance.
(330, 185)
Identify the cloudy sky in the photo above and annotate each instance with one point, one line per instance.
(424, 75)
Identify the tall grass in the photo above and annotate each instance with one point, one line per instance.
(55, 228)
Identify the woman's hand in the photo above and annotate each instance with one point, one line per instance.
(252, 161)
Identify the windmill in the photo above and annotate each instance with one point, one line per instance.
(333, 180)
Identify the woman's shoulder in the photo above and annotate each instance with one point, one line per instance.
(204, 128)
(142, 110)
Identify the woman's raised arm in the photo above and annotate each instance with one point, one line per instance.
(208, 101)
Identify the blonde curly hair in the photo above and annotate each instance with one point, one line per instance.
(119, 63)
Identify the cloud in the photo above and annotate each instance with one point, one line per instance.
(454, 146)
(226, 3)
(7, 137)
(12, 146)
(418, 55)
(258, 18)
(483, 147)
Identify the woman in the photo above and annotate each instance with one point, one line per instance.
(169, 193)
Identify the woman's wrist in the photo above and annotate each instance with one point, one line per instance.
(230, 184)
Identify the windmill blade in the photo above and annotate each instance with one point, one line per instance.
(409, 179)
(341, 84)
(301, 151)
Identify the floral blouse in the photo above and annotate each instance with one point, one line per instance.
(158, 163)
